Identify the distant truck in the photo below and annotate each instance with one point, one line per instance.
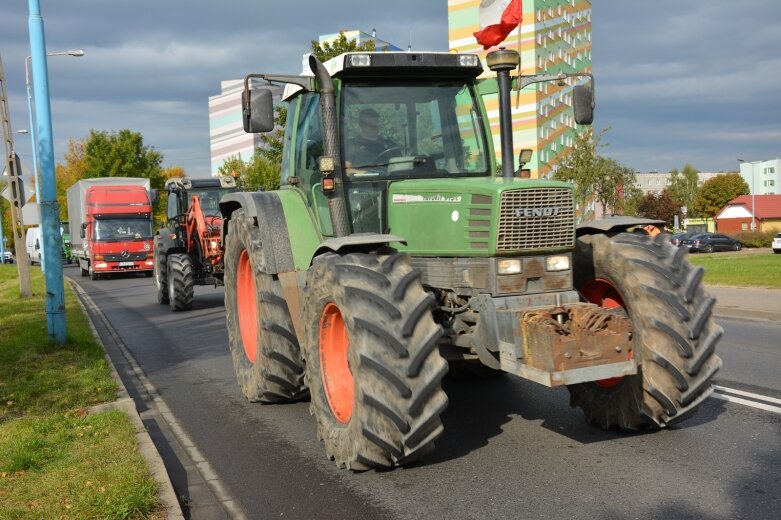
(33, 244)
(111, 219)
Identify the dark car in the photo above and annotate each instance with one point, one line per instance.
(677, 238)
(710, 242)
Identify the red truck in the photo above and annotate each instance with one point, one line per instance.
(113, 217)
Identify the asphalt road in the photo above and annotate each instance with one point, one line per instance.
(511, 448)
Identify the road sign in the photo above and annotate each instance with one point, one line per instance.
(31, 215)
(29, 185)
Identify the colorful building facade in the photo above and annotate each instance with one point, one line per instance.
(555, 36)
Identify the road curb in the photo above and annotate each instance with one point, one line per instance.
(146, 446)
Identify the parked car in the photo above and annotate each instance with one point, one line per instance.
(677, 238)
(777, 243)
(710, 242)
(8, 257)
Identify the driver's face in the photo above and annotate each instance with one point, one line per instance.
(370, 127)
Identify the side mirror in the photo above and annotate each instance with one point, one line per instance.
(82, 231)
(154, 196)
(583, 104)
(257, 110)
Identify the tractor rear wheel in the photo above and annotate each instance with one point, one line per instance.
(161, 275)
(674, 335)
(263, 343)
(372, 362)
(181, 289)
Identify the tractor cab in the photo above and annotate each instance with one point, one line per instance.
(399, 116)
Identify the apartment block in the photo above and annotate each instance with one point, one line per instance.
(554, 36)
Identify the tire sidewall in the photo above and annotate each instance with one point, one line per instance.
(242, 233)
(337, 436)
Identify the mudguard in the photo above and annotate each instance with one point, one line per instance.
(164, 244)
(266, 207)
(616, 224)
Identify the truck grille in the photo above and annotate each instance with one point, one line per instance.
(538, 218)
(130, 257)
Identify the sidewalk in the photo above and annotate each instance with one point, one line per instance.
(747, 302)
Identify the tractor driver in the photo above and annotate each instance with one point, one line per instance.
(369, 148)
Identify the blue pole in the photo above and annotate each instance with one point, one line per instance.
(50, 210)
(34, 141)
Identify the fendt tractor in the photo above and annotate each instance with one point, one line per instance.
(393, 252)
(188, 251)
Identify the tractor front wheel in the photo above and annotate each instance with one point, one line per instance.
(181, 289)
(673, 338)
(263, 343)
(161, 275)
(372, 362)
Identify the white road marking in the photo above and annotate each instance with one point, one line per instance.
(720, 392)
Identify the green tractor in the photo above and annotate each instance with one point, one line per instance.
(393, 253)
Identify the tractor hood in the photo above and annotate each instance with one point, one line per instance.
(482, 216)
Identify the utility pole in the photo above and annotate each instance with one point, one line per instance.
(50, 208)
(12, 166)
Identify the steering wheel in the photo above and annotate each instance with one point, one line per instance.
(382, 154)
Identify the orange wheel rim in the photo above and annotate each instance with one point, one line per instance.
(335, 365)
(603, 293)
(247, 304)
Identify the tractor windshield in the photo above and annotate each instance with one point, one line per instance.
(410, 130)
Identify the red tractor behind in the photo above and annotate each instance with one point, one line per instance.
(188, 252)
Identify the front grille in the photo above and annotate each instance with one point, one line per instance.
(130, 257)
(538, 218)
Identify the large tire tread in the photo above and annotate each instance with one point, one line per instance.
(277, 376)
(394, 361)
(181, 289)
(674, 335)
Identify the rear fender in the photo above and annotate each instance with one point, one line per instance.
(266, 208)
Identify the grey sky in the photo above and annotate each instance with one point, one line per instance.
(695, 81)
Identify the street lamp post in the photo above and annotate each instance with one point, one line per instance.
(753, 200)
(33, 134)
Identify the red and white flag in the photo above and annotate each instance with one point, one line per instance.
(497, 19)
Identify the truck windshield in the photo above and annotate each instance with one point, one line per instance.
(412, 130)
(123, 229)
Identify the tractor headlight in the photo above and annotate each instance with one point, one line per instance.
(468, 60)
(360, 60)
(508, 266)
(557, 263)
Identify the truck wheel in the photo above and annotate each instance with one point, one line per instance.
(92, 274)
(161, 276)
(674, 335)
(180, 282)
(84, 272)
(372, 362)
(263, 343)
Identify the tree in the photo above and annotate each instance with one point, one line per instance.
(121, 154)
(273, 141)
(594, 176)
(685, 186)
(716, 192)
(259, 172)
(660, 207)
(579, 166)
(611, 183)
(69, 172)
(325, 51)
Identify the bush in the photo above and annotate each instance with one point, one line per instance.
(755, 238)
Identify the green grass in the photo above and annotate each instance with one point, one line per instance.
(740, 269)
(56, 459)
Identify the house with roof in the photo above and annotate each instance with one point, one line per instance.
(737, 214)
